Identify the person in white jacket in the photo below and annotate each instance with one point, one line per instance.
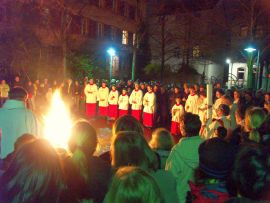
(135, 100)
(91, 92)
(149, 107)
(123, 102)
(15, 120)
(177, 112)
(113, 103)
(192, 102)
(103, 95)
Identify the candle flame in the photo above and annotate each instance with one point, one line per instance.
(58, 124)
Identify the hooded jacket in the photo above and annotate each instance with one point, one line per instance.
(15, 120)
(182, 162)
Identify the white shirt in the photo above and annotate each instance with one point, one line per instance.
(192, 104)
(135, 99)
(90, 92)
(149, 102)
(103, 95)
(177, 112)
(123, 102)
(113, 97)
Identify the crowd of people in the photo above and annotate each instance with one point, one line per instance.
(222, 158)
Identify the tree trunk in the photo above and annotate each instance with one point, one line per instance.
(162, 47)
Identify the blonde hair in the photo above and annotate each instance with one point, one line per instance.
(254, 118)
(133, 184)
(161, 139)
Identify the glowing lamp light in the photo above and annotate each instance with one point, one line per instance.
(250, 49)
(111, 52)
(58, 124)
(228, 61)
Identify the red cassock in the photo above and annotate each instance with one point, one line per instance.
(91, 109)
(148, 119)
(136, 114)
(123, 112)
(175, 128)
(113, 111)
(103, 111)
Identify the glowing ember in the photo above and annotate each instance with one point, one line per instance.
(57, 122)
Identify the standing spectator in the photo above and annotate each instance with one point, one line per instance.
(164, 106)
(174, 95)
(113, 103)
(132, 184)
(184, 158)
(267, 102)
(162, 143)
(192, 102)
(123, 103)
(185, 95)
(17, 82)
(251, 174)
(149, 109)
(15, 120)
(67, 92)
(34, 175)
(95, 172)
(177, 111)
(4, 90)
(77, 95)
(221, 120)
(31, 95)
(216, 158)
(135, 100)
(103, 94)
(129, 148)
(55, 85)
(254, 118)
(203, 107)
(90, 92)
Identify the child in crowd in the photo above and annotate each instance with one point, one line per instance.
(162, 143)
(177, 112)
(113, 103)
(123, 103)
(216, 158)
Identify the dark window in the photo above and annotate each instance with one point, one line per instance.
(107, 32)
(94, 2)
(121, 8)
(108, 4)
(75, 26)
(118, 36)
(2, 14)
(92, 30)
(240, 73)
(132, 13)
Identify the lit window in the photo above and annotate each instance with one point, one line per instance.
(134, 39)
(125, 37)
(196, 52)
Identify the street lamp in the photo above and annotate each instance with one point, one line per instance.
(250, 50)
(229, 61)
(111, 52)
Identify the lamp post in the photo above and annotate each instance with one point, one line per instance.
(111, 52)
(250, 51)
(228, 61)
